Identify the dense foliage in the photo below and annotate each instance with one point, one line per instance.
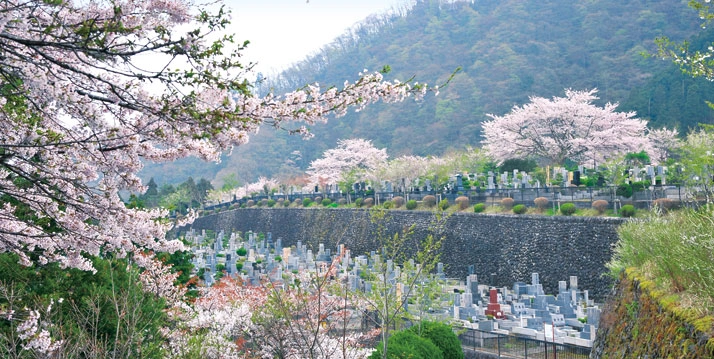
(96, 314)
(442, 335)
(407, 344)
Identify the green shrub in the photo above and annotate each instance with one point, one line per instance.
(358, 202)
(520, 209)
(411, 204)
(306, 202)
(479, 207)
(406, 344)
(398, 201)
(286, 203)
(627, 210)
(271, 203)
(567, 209)
(639, 186)
(442, 336)
(462, 202)
(387, 204)
(600, 206)
(429, 201)
(333, 205)
(541, 203)
(507, 203)
(326, 202)
(444, 204)
(241, 251)
(624, 190)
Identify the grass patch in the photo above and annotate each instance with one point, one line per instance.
(587, 212)
(675, 252)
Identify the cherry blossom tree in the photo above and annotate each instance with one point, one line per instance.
(569, 127)
(89, 90)
(662, 142)
(350, 158)
(296, 317)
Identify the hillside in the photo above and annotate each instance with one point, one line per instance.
(508, 50)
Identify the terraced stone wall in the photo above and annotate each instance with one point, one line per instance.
(502, 248)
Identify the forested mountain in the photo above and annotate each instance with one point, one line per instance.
(508, 50)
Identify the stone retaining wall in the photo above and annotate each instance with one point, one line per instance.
(640, 322)
(502, 248)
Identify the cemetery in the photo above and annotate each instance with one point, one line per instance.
(502, 247)
(643, 186)
(522, 310)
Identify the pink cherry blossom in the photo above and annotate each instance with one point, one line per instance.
(349, 155)
(569, 127)
(91, 90)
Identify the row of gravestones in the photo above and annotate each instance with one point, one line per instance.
(655, 175)
(475, 304)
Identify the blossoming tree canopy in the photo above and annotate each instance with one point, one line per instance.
(77, 116)
(569, 127)
(349, 155)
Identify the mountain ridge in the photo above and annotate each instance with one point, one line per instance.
(508, 51)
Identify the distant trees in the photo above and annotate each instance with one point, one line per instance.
(564, 128)
(186, 195)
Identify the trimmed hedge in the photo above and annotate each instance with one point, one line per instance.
(462, 202)
(479, 207)
(520, 209)
(507, 203)
(411, 204)
(398, 201)
(541, 203)
(627, 210)
(600, 206)
(567, 209)
(429, 201)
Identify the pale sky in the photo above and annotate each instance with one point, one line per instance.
(282, 32)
